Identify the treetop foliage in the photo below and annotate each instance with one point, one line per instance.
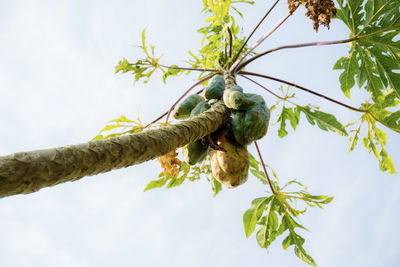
(372, 63)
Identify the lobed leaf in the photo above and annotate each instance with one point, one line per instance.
(290, 114)
(325, 121)
(375, 24)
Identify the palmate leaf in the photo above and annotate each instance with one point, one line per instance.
(277, 214)
(374, 24)
(350, 66)
(290, 114)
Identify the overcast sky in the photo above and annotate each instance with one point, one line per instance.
(58, 87)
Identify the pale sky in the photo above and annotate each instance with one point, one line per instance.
(58, 87)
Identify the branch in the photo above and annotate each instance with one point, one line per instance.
(274, 28)
(265, 88)
(230, 43)
(254, 30)
(241, 66)
(265, 170)
(27, 172)
(304, 89)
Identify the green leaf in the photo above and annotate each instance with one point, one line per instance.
(325, 121)
(216, 186)
(253, 214)
(386, 162)
(253, 162)
(301, 253)
(176, 182)
(393, 121)
(260, 175)
(156, 184)
(351, 13)
(291, 114)
(374, 138)
(292, 240)
(262, 237)
(354, 138)
(375, 24)
(122, 118)
(350, 68)
(111, 126)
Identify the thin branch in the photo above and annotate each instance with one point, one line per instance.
(241, 66)
(304, 89)
(154, 121)
(274, 28)
(187, 91)
(265, 170)
(164, 114)
(254, 30)
(230, 42)
(265, 88)
(181, 68)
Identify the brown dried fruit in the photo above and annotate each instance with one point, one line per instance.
(319, 11)
(229, 167)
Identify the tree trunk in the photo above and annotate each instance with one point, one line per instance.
(27, 172)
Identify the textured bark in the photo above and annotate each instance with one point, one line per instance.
(27, 172)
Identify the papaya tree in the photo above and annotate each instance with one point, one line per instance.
(231, 60)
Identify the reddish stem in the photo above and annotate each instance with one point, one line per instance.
(254, 30)
(265, 169)
(241, 66)
(302, 88)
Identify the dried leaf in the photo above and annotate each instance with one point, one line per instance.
(170, 163)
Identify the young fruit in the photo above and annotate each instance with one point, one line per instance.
(216, 88)
(183, 110)
(235, 99)
(195, 152)
(251, 124)
(199, 108)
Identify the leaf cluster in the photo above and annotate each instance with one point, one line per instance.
(186, 172)
(123, 125)
(314, 116)
(278, 214)
(144, 68)
(373, 60)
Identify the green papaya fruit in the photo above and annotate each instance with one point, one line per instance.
(199, 108)
(195, 152)
(235, 99)
(236, 88)
(215, 88)
(184, 109)
(251, 124)
(229, 167)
